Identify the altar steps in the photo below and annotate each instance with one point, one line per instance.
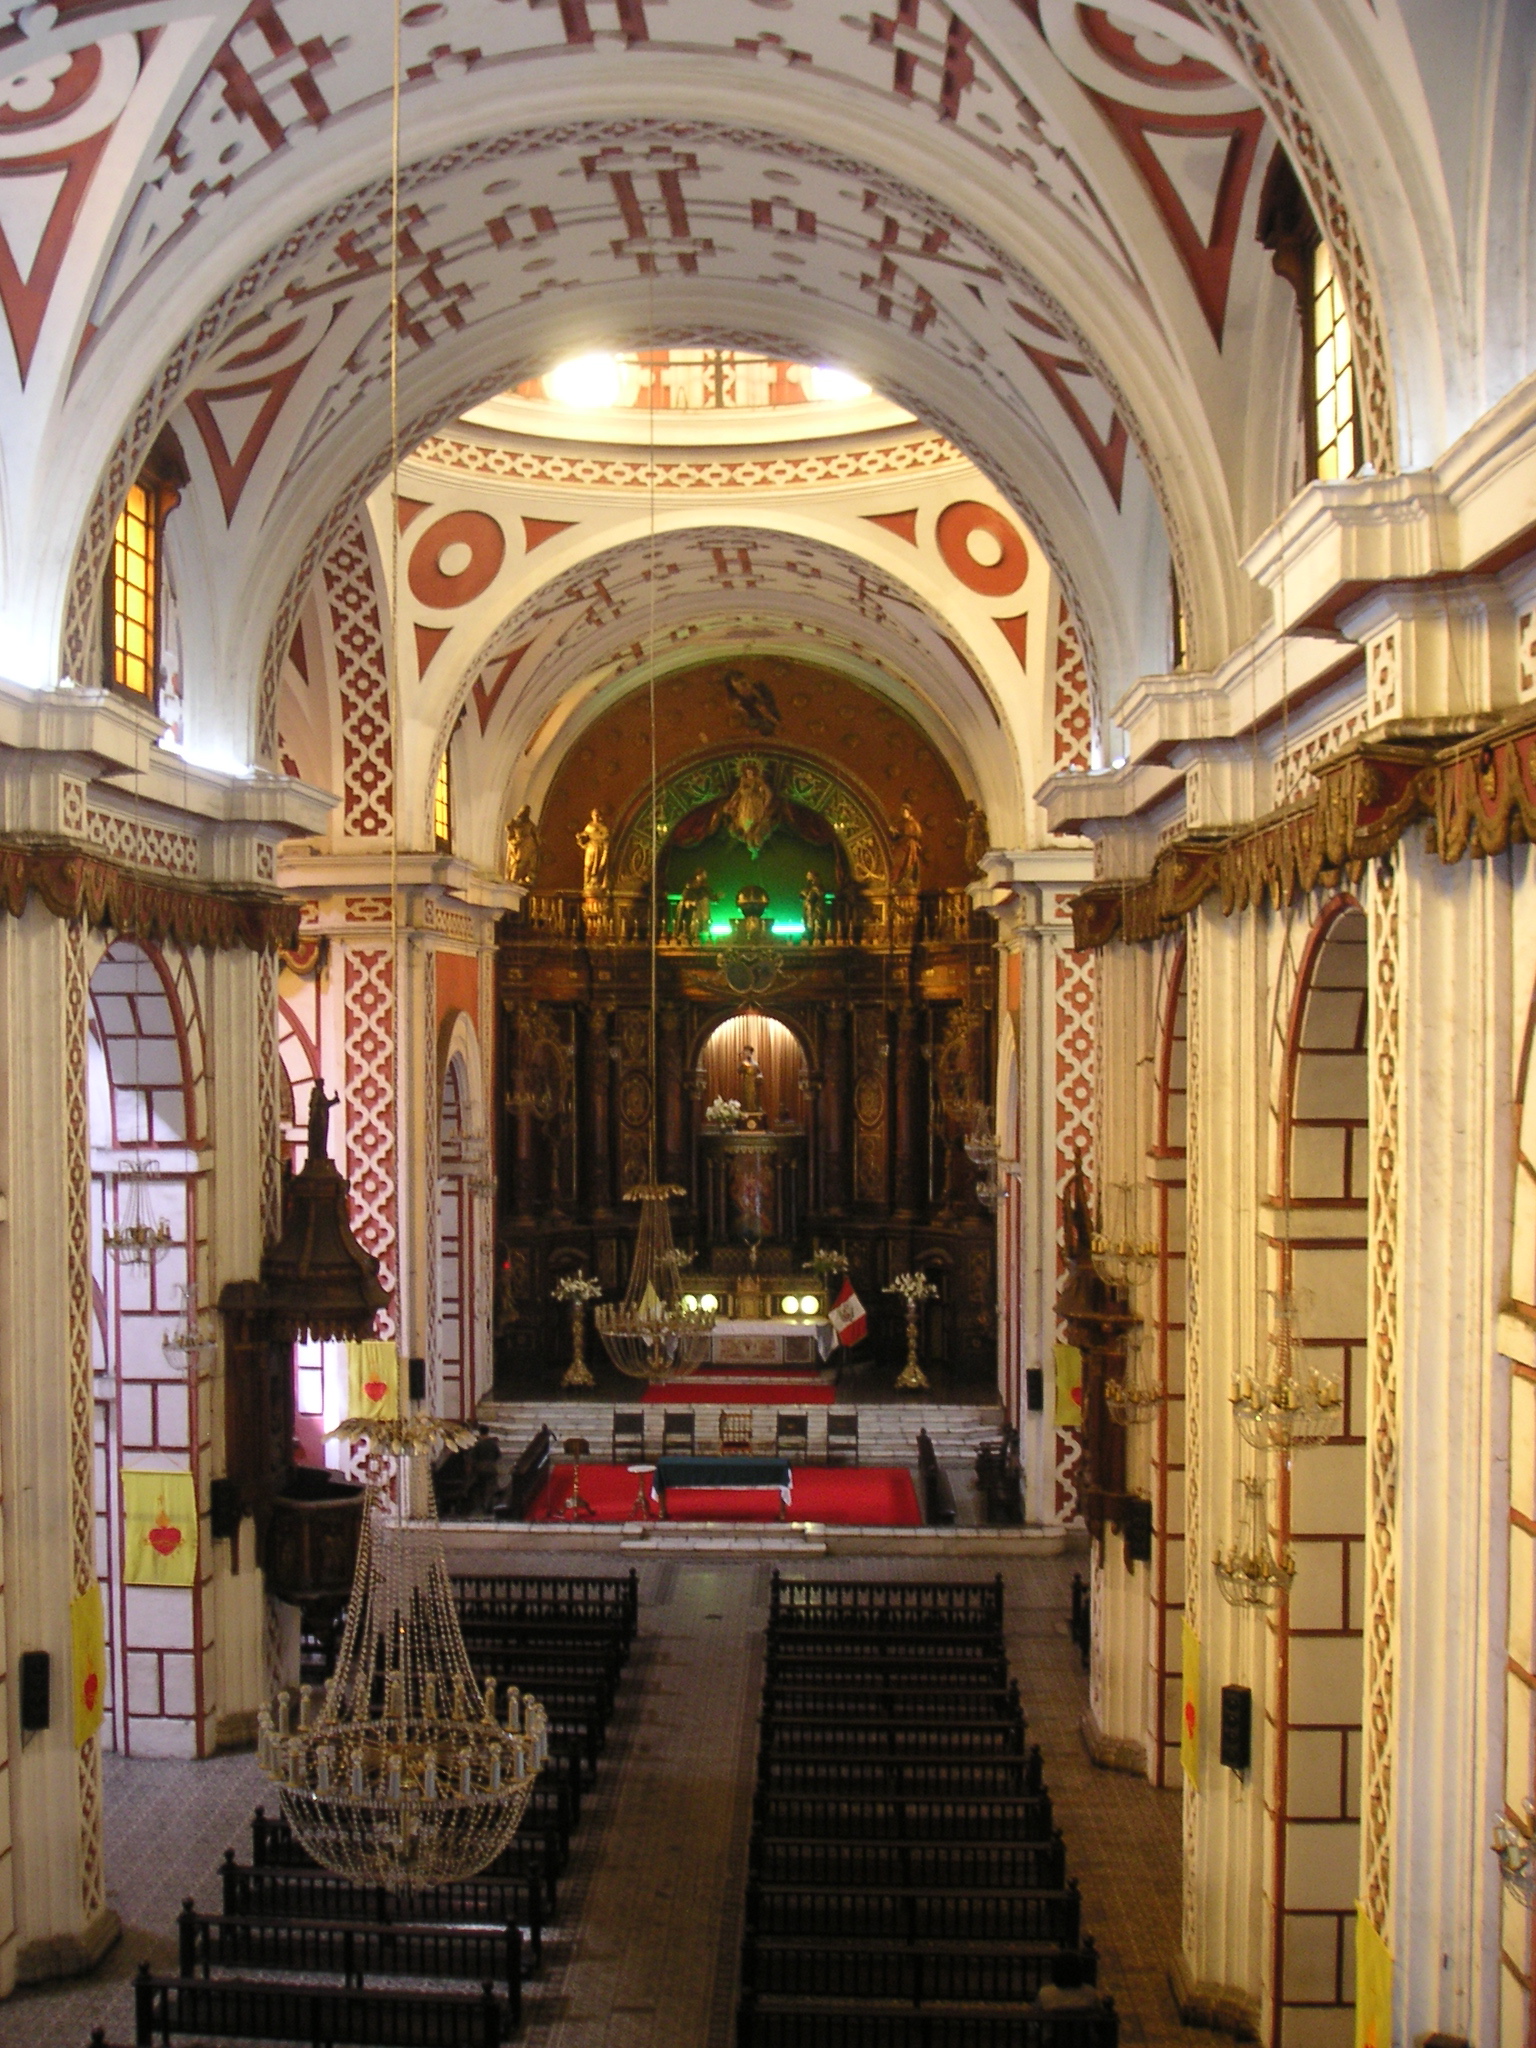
(887, 1430)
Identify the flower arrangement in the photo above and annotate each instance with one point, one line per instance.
(824, 1264)
(576, 1287)
(913, 1288)
(675, 1257)
(722, 1114)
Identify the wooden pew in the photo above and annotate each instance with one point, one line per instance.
(917, 1973)
(911, 1913)
(505, 1597)
(854, 1777)
(353, 1949)
(810, 1816)
(253, 1893)
(939, 1867)
(890, 1654)
(854, 1607)
(248, 2009)
(767, 2022)
(833, 1736)
(798, 1698)
(538, 1850)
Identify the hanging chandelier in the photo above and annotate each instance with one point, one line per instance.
(1121, 1257)
(652, 1334)
(981, 1151)
(399, 1770)
(1250, 1574)
(192, 1341)
(1135, 1397)
(1514, 1844)
(138, 1240)
(1291, 1407)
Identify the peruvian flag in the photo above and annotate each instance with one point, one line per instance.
(846, 1315)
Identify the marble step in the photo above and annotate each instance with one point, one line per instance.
(887, 1431)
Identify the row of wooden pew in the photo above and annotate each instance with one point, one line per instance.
(564, 1640)
(907, 1885)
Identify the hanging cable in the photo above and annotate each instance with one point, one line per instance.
(392, 636)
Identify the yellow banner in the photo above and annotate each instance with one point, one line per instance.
(1373, 1985)
(159, 1529)
(373, 1379)
(1189, 1712)
(88, 1656)
(1069, 1387)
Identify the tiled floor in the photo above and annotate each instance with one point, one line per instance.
(651, 1908)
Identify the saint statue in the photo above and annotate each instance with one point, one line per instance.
(593, 841)
(813, 906)
(907, 853)
(978, 837)
(751, 1082)
(751, 810)
(693, 908)
(320, 1107)
(522, 847)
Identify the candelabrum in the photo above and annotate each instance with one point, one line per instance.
(914, 1289)
(577, 1289)
(1514, 1843)
(138, 1240)
(1290, 1407)
(1135, 1396)
(1250, 1574)
(402, 1769)
(652, 1334)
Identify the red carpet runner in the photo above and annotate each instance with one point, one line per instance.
(866, 1496)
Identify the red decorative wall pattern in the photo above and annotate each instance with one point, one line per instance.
(362, 677)
(368, 1096)
(1076, 1061)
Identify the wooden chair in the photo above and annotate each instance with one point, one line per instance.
(736, 1432)
(842, 1436)
(677, 1433)
(792, 1437)
(628, 1436)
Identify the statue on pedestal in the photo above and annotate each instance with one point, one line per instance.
(751, 810)
(593, 841)
(751, 1082)
(522, 846)
(813, 906)
(978, 837)
(907, 852)
(693, 908)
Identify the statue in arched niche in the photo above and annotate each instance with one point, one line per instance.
(751, 810)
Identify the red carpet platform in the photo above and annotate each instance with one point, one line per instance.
(868, 1496)
(743, 1393)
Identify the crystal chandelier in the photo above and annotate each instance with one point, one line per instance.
(192, 1340)
(137, 1241)
(1514, 1843)
(1291, 1407)
(651, 1334)
(1250, 1574)
(1135, 1397)
(397, 1771)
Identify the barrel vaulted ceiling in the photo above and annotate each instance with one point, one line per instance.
(1030, 222)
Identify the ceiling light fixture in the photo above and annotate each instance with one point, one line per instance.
(585, 383)
(828, 386)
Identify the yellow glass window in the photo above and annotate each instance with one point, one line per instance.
(442, 806)
(134, 593)
(1333, 375)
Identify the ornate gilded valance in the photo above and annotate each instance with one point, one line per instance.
(73, 883)
(1478, 796)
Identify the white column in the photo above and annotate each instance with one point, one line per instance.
(1438, 1422)
(61, 1919)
